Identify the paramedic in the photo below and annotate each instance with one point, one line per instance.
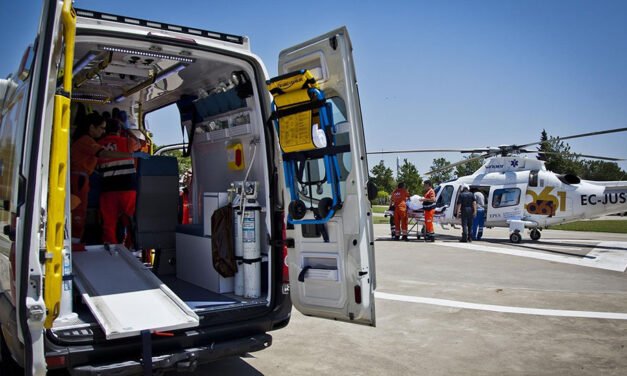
(467, 209)
(119, 183)
(84, 153)
(399, 200)
(479, 221)
(428, 205)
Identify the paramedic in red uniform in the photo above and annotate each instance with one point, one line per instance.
(84, 154)
(399, 198)
(119, 183)
(428, 205)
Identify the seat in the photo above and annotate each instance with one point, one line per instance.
(156, 210)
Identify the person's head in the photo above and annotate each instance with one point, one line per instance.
(94, 126)
(428, 184)
(401, 185)
(113, 126)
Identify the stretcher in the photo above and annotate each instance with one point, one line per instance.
(416, 221)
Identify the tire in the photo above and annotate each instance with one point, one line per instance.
(8, 366)
(535, 234)
(515, 237)
(297, 209)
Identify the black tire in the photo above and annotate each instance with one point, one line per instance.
(515, 237)
(535, 234)
(297, 209)
(325, 205)
(8, 366)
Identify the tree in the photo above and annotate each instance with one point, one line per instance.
(383, 177)
(557, 156)
(470, 167)
(184, 163)
(409, 175)
(601, 170)
(443, 175)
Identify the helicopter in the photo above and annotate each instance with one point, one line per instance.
(522, 194)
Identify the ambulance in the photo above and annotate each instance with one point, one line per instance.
(278, 201)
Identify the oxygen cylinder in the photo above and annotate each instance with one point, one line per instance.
(252, 251)
(239, 251)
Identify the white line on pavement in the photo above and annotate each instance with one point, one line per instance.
(504, 309)
(603, 257)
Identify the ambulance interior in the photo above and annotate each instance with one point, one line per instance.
(221, 127)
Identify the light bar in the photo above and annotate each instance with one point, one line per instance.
(156, 55)
(90, 98)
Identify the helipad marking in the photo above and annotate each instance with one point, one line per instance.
(502, 309)
(607, 255)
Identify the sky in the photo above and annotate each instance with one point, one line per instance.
(436, 74)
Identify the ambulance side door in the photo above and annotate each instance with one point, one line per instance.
(335, 279)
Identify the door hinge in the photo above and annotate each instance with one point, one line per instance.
(36, 312)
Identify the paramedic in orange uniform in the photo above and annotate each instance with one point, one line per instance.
(399, 198)
(119, 184)
(428, 205)
(84, 154)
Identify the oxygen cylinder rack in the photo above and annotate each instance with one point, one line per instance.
(304, 122)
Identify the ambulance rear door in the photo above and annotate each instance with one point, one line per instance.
(332, 270)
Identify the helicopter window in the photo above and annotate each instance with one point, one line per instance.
(445, 197)
(505, 197)
(533, 178)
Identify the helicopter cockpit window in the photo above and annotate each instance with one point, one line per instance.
(505, 197)
(446, 196)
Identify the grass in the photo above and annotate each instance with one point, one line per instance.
(379, 208)
(380, 220)
(615, 226)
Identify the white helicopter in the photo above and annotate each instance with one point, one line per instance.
(521, 193)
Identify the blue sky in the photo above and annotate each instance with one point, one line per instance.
(447, 74)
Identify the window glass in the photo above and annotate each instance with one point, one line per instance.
(505, 197)
(446, 196)
(312, 174)
(533, 178)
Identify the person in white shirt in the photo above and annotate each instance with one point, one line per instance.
(479, 220)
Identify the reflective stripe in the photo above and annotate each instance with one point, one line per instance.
(127, 171)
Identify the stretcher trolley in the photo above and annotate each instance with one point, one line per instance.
(304, 122)
(416, 221)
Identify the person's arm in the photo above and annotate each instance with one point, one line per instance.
(474, 208)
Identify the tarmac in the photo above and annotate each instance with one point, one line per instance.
(557, 306)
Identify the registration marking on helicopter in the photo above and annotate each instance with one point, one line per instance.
(606, 255)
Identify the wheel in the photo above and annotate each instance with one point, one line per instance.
(535, 234)
(515, 237)
(297, 209)
(325, 206)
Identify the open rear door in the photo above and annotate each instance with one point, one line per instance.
(331, 266)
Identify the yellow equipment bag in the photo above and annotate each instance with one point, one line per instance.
(297, 100)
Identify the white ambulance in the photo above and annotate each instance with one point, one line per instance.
(300, 232)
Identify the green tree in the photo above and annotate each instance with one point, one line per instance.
(470, 167)
(409, 175)
(184, 163)
(442, 175)
(383, 177)
(601, 170)
(558, 157)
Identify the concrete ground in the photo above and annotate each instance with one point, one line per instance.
(553, 307)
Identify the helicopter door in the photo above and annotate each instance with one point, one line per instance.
(505, 202)
(331, 266)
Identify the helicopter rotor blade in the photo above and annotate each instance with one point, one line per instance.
(577, 136)
(577, 155)
(453, 165)
(417, 151)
